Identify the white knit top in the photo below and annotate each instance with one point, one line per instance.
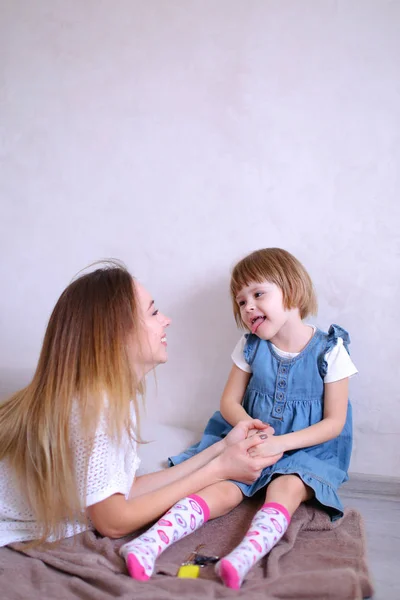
(111, 470)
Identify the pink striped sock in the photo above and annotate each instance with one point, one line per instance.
(266, 529)
(183, 518)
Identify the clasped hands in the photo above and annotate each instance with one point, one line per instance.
(245, 452)
(270, 446)
(266, 444)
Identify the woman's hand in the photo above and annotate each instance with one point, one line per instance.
(235, 462)
(245, 429)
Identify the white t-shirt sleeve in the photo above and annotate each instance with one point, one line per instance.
(339, 362)
(238, 357)
(112, 465)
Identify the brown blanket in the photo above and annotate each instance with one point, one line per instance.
(316, 559)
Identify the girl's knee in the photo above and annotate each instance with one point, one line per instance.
(221, 497)
(288, 490)
(291, 483)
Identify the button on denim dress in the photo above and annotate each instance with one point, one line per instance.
(289, 395)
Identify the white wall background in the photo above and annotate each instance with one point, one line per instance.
(179, 135)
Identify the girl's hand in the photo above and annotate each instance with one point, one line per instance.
(242, 430)
(269, 431)
(269, 447)
(236, 463)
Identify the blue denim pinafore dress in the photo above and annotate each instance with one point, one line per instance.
(289, 395)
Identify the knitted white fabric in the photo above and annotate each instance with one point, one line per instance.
(111, 470)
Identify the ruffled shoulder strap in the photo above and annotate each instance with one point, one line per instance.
(250, 348)
(334, 332)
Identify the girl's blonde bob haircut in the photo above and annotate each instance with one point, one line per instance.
(282, 268)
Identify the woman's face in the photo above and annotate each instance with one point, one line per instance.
(153, 338)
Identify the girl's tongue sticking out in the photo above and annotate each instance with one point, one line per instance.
(256, 323)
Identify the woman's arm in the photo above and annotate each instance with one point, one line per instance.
(154, 481)
(115, 516)
(231, 401)
(150, 482)
(335, 411)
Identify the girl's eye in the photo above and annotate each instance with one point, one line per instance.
(155, 313)
(258, 294)
(241, 303)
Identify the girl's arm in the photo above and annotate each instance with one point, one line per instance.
(115, 516)
(335, 411)
(231, 402)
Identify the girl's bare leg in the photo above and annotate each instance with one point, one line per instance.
(221, 498)
(288, 490)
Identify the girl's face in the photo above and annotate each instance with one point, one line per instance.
(262, 310)
(153, 339)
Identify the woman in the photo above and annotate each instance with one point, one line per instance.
(68, 441)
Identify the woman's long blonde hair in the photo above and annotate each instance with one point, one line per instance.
(84, 359)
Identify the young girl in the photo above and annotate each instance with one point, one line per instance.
(292, 375)
(68, 453)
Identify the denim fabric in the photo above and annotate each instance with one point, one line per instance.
(289, 395)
